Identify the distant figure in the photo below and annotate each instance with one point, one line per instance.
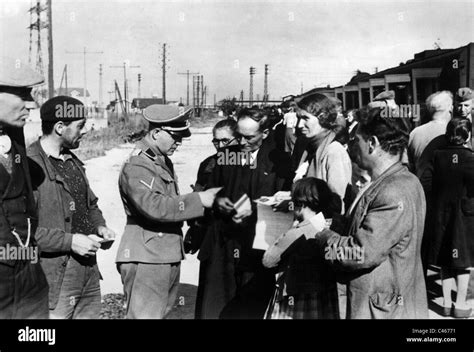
(290, 120)
(440, 106)
(463, 107)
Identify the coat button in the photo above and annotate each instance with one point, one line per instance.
(64, 264)
(160, 234)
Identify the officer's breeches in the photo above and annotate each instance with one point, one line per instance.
(150, 289)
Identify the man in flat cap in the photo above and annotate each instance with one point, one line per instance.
(23, 285)
(151, 248)
(66, 201)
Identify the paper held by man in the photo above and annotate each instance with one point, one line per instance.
(272, 224)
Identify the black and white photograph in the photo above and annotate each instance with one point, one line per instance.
(236, 160)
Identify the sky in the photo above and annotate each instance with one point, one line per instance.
(305, 43)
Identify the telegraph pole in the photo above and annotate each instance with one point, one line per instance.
(125, 85)
(85, 52)
(139, 85)
(100, 85)
(252, 72)
(163, 66)
(265, 85)
(50, 50)
(187, 73)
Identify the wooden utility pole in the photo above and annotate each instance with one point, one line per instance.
(139, 85)
(50, 50)
(163, 67)
(125, 85)
(252, 73)
(85, 52)
(187, 73)
(63, 78)
(100, 85)
(265, 85)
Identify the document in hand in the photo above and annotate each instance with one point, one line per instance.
(270, 225)
(243, 205)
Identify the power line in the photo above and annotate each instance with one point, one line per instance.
(84, 53)
(125, 84)
(187, 73)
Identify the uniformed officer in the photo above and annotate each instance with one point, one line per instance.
(23, 286)
(151, 247)
(463, 103)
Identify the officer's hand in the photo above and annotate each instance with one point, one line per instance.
(106, 233)
(208, 196)
(83, 245)
(224, 205)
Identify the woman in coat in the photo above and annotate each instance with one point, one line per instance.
(453, 199)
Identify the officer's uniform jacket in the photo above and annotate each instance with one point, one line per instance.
(155, 209)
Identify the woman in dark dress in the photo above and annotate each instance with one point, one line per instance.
(453, 200)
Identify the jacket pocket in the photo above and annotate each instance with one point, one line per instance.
(467, 206)
(150, 235)
(386, 305)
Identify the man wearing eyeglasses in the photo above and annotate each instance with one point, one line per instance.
(151, 248)
(223, 136)
(233, 283)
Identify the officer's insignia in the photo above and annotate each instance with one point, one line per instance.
(149, 153)
(400, 205)
(150, 186)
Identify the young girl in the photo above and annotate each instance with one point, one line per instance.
(306, 287)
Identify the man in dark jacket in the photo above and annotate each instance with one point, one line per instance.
(66, 201)
(232, 281)
(23, 286)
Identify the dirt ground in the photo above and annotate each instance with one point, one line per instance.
(103, 175)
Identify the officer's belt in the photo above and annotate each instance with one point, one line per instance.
(170, 227)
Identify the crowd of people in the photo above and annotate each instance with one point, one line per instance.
(377, 200)
(397, 188)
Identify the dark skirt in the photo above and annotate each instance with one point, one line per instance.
(320, 304)
(452, 244)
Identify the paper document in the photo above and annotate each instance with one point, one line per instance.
(270, 225)
(243, 205)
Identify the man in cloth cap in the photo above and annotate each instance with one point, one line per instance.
(66, 201)
(151, 248)
(23, 285)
